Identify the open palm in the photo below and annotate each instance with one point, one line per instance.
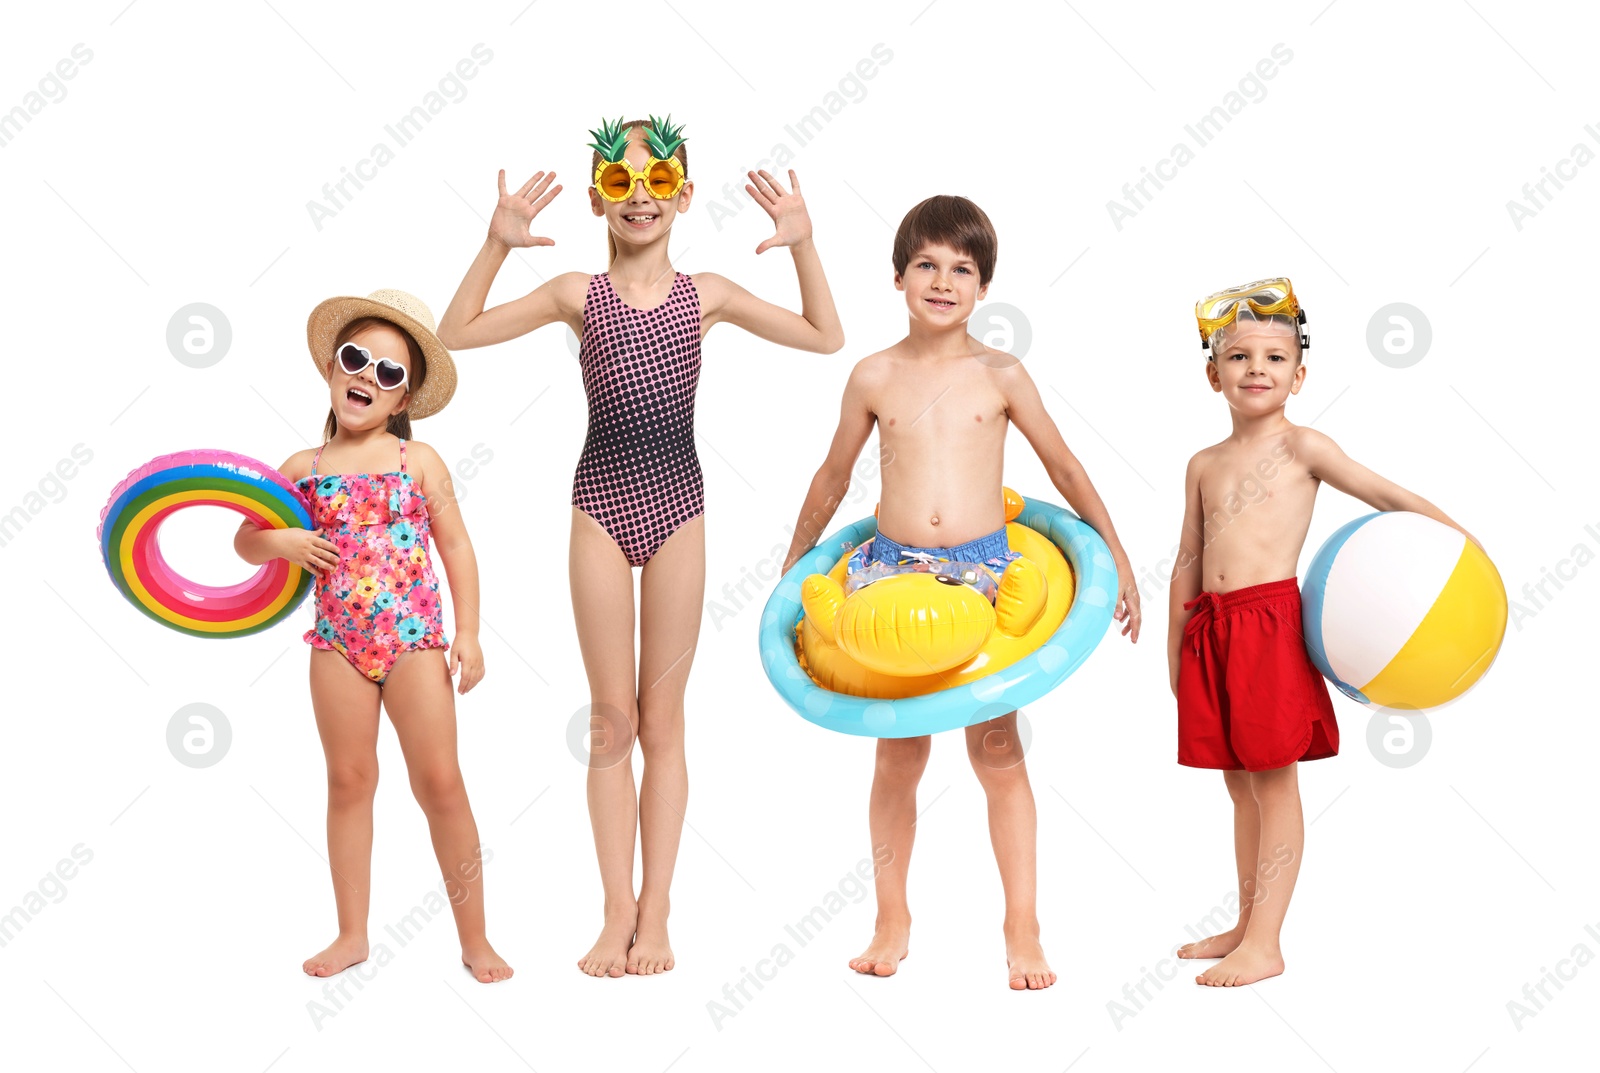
(513, 217)
(787, 209)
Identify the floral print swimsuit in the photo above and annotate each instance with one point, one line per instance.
(382, 599)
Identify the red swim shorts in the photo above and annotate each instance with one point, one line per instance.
(1248, 694)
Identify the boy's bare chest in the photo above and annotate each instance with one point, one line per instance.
(952, 413)
(1267, 483)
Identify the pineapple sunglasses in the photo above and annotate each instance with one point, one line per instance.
(614, 179)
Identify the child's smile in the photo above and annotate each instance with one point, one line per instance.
(1258, 368)
(359, 400)
(942, 283)
(639, 215)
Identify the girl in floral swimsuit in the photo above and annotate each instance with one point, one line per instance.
(378, 635)
(637, 497)
(382, 598)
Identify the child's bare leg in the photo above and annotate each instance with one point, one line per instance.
(671, 599)
(346, 706)
(1246, 837)
(893, 823)
(420, 699)
(602, 608)
(996, 755)
(1282, 843)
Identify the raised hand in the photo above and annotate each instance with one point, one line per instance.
(788, 210)
(513, 216)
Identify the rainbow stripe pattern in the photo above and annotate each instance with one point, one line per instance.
(131, 522)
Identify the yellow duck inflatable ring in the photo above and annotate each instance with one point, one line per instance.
(916, 633)
(863, 662)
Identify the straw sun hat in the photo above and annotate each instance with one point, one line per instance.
(406, 310)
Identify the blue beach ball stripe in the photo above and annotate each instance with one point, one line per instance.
(1313, 597)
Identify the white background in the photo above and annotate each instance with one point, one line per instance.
(1376, 168)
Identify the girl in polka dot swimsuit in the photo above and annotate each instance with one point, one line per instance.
(637, 497)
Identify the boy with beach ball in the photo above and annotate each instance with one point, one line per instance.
(1250, 700)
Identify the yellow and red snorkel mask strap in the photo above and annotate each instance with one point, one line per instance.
(614, 177)
(1251, 301)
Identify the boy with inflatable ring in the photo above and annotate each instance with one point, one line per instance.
(1250, 701)
(942, 400)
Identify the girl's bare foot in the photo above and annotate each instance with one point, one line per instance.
(1025, 958)
(889, 947)
(1245, 965)
(1214, 946)
(650, 952)
(487, 966)
(343, 952)
(609, 954)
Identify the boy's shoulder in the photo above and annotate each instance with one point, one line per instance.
(901, 350)
(878, 365)
(1302, 441)
(1001, 361)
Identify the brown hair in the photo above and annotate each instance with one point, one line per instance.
(399, 423)
(953, 221)
(682, 153)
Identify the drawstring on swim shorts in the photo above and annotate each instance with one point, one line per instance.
(1207, 604)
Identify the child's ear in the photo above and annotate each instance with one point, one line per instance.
(594, 202)
(1212, 376)
(982, 290)
(899, 284)
(686, 195)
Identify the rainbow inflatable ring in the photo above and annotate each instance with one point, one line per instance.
(980, 694)
(131, 523)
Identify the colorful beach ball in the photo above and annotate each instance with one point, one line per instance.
(1402, 611)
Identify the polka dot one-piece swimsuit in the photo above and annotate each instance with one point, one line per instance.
(382, 599)
(639, 476)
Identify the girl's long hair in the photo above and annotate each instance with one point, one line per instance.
(399, 423)
(682, 153)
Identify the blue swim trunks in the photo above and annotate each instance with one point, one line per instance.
(992, 551)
